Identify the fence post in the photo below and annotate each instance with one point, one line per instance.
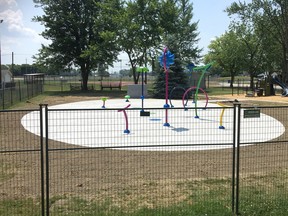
(236, 158)
(11, 95)
(19, 86)
(32, 83)
(27, 90)
(233, 158)
(47, 160)
(42, 161)
(3, 96)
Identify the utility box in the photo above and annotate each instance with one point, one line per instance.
(194, 78)
(135, 91)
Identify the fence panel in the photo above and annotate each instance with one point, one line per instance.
(153, 169)
(18, 93)
(95, 165)
(20, 165)
(263, 165)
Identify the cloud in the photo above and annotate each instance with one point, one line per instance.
(18, 33)
(7, 3)
(14, 21)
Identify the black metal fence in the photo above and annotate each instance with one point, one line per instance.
(19, 91)
(77, 161)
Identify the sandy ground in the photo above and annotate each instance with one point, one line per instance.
(255, 99)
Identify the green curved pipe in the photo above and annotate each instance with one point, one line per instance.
(204, 69)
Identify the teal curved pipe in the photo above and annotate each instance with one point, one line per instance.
(204, 69)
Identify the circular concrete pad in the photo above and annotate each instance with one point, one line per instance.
(97, 127)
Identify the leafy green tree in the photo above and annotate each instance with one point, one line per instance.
(272, 54)
(252, 52)
(186, 36)
(168, 15)
(125, 73)
(227, 52)
(19, 70)
(270, 17)
(82, 34)
(181, 37)
(102, 71)
(139, 31)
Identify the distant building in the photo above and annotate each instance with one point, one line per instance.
(34, 78)
(194, 79)
(6, 76)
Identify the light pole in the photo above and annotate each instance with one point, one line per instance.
(0, 58)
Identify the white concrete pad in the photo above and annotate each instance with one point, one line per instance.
(105, 128)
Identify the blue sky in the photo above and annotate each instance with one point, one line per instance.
(21, 36)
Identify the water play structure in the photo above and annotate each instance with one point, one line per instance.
(143, 70)
(81, 123)
(166, 59)
(221, 115)
(126, 131)
(203, 70)
(104, 99)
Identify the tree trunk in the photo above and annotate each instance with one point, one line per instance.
(252, 82)
(84, 74)
(136, 75)
(232, 80)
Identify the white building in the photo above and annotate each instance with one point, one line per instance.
(6, 76)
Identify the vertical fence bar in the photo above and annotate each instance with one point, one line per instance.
(27, 90)
(3, 97)
(33, 86)
(233, 159)
(238, 158)
(19, 86)
(47, 160)
(42, 162)
(11, 95)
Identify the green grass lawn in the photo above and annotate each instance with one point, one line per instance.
(203, 197)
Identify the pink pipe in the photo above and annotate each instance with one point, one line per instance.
(126, 118)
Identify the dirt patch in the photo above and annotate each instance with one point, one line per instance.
(121, 174)
(268, 100)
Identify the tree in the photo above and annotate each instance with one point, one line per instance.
(125, 73)
(251, 50)
(180, 36)
(140, 30)
(227, 51)
(186, 35)
(272, 54)
(177, 78)
(102, 71)
(270, 17)
(19, 70)
(82, 34)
